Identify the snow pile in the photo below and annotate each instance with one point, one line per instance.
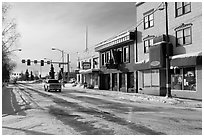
(136, 97)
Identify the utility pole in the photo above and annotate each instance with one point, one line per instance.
(168, 76)
(68, 67)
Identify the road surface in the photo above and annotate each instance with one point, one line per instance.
(33, 111)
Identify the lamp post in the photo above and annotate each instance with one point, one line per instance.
(14, 50)
(62, 62)
(62, 51)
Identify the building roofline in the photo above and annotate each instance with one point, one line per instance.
(137, 4)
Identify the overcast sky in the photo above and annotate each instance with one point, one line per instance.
(44, 25)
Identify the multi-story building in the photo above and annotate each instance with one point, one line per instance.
(88, 68)
(185, 35)
(117, 59)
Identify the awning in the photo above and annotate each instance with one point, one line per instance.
(187, 59)
(142, 65)
(87, 71)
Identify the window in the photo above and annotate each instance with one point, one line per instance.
(90, 62)
(103, 59)
(147, 44)
(126, 54)
(95, 62)
(184, 79)
(107, 56)
(184, 36)
(182, 8)
(148, 21)
(151, 78)
(120, 57)
(78, 64)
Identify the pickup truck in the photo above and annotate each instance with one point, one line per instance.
(52, 84)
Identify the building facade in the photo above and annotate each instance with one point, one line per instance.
(88, 68)
(185, 35)
(117, 59)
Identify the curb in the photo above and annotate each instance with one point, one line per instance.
(143, 97)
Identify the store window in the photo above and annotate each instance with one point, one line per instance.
(177, 79)
(184, 36)
(182, 8)
(184, 79)
(151, 78)
(189, 79)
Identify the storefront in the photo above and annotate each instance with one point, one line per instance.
(186, 75)
(90, 77)
(117, 61)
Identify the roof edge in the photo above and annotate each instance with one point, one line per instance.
(137, 4)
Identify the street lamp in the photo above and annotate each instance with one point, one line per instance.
(62, 61)
(14, 50)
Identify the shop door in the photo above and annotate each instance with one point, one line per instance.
(105, 81)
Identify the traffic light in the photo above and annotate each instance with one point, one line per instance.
(28, 62)
(48, 62)
(35, 61)
(42, 63)
(23, 60)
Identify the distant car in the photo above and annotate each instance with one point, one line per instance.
(52, 85)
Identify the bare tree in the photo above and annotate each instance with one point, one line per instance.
(9, 37)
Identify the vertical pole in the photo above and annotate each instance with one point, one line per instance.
(67, 67)
(63, 67)
(168, 76)
(40, 71)
(86, 39)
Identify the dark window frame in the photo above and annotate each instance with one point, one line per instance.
(148, 22)
(147, 46)
(103, 59)
(183, 37)
(124, 54)
(107, 56)
(182, 8)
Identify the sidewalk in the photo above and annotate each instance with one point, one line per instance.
(136, 97)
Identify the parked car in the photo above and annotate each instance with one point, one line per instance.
(52, 84)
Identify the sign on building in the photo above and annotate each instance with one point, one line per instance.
(86, 65)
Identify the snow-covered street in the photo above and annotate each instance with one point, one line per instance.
(96, 112)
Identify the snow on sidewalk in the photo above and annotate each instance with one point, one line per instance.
(141, 97)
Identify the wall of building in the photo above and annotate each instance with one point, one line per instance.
(157, 30)
(194, 17)
(125, 69)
